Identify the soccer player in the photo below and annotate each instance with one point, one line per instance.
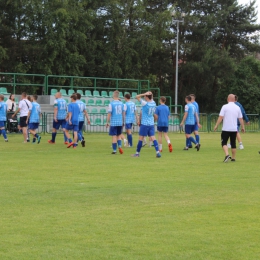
(147, 122)
(196, 128)
(83, 111)
(23, 108)
(3, 111)
(189, 119)
(162, 114)
(59, 118)
(229, 113)
(72, 121)
(115, 117)
(34, 119)
(130, 118)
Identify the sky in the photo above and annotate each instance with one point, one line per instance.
(257, 6)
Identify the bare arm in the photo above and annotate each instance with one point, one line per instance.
(138, 97)
(16, 112)
(87, 116)
(184, 118)
(108, 119)
(198, 120)
(29, 113)
(242, 124)
(220, 118)
(55, 113)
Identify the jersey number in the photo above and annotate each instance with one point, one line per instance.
(118, 110)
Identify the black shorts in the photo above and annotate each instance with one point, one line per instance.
(23, 121)
(226, 135)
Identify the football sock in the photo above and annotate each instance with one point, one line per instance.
(192, 140)
(65, 137)
(130, 140)
(187, 142)
(4, 134)
(151, 143)
(119, 142)
(160, 147)
(70, 140)
(139, 146)
(53, 137)
(114, 146)
(169, 141)
(34, 140)
(79, 136)
(156, 146)
(36, 135)
(197, 138)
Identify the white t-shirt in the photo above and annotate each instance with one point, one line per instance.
(24, 106)
(231, 112)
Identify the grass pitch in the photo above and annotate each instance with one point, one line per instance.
(59, 203)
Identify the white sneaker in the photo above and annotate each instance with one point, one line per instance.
(229, 145)
(241, 147)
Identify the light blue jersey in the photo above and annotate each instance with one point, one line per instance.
(61, 104)
(82, 108)
(163, 114)
(130, 108)
(116, 109)
(191, 110)
(3, 110)
(148, 110)
(197, 109)
(35, 113)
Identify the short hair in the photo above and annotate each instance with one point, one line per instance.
(73, 96)
(29, 98)
(10, 95)
(35, 97)
(188, 98)
(116, 93)
(193, 96)
(2, 97)
(24, 94)
(150, 96)
(163, 99)
(78, 95)
(127, 96)
(236, 98)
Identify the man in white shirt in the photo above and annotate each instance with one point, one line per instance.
(229, 113)
(24, 106)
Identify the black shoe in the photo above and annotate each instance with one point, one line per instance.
(259, 152)
(227, 158)
(28, 140)
(185, 148)
(113, 153)
(83, 143)
(197, 147)
(233, 160)
(190, 146)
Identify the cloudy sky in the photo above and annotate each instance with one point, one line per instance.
(257, 5)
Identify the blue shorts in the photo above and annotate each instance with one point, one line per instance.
(189, 129)
(162, 129)
(61, 123)
(146, 130)
(115, 130)
(196, 127)
(81, 123)
(33, 126)
(74, 128)
(128, 126)
(2, 123)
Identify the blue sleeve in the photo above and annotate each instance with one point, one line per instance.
(245, 117)
(69, 108)
(157, 111)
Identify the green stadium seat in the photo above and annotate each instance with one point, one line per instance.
(137, 103)
(98, 121)
(176, 121)
(111, 93)
(121, 94)
(106, 102)
(96, 93)
(63, 92)
(5, 99)
(53, 91)
(91, 102)
(67, 101)
(103, 111)
(134, 94)
(88, 93)
(16, 100)
(99, 102)
(80, 92)
(4, 91)
(87, 110)
(83, 100)
(104, 94)
(123, 101)
(71, 91)
(94, 110)
(104, 121)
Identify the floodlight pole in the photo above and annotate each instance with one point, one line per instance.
(177, 58)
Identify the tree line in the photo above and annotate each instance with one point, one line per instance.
(137, 39)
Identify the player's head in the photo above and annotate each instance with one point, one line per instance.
(148, 97)
(11, 97)
(188, 99)
(236, 98)
(35, 97)
(2, 97)
(29, 98)
(24, 95)
(231, 98)
(73, 97)
(58, 95)
(116, 94)
(162, 100)
(193, 97)
(78, 96)
(127, 96)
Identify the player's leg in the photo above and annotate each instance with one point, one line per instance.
(75, 132)
(196, 133)
(63, 125)
(2, 130)
(151, 133)
(80, 134)
(165, 133)
(123, 138)
(239, 138)
(129, 134)
(224, 140)
(55, 127)
(113, 134)
(119, 135)
(143, 131)
(159, 138)
(233, 136)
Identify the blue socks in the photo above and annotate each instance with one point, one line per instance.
(119, 142)
(197, 138)
(130, 139)
(156, 146)
(79, 136)
(4, 133)
(114, 146)
(187, 142)
(139, 146)
(192, 140)
(65, 137)
(70, 140)
(53, 137)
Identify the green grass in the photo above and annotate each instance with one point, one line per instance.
(59, 203)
